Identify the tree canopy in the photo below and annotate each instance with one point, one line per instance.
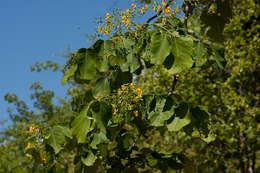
(178, 92)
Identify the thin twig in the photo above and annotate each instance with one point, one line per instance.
(174, 82)
(159, 13)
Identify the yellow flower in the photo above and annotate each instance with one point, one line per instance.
(36, 131)
(136, 98)
(142, 10)
(125, 21)
(177, 9)
(115, 39)
(164, 21)
(167, 11)
(172, 14)
(28, 146)
(136, 113)
(124, 17)
(163, 3)
(139, 92)
(146, 7)
(113, 105)
(115, 111)
(154, 8)
(119, 92)
(159, 8)
(108, 16)
(128, 12)
(133, 6)
(132, 86)
(123, 87)
(99, 29)
(106, 32)
(31, 129)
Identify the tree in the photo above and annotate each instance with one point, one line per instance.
(152, 97)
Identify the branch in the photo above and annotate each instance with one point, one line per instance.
(159, 13)
(174, 82)
(186, 10)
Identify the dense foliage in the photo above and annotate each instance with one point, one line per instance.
(179, 94)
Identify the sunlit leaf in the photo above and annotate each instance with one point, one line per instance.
(181, 48)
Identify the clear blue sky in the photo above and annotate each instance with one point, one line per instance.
(35, 30)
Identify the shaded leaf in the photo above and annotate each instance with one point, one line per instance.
(98, 139)
(101, 88)
(90, 159)
(181, 118)
(81, 125)
(57, 138)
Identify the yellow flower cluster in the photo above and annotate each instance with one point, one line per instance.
(136, 113)
(105, 31)
(108, 17)
(125, 18)
(33, 129)
(114, 109)
(139, 94)
(28, 146)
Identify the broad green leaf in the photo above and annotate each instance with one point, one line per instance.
(87, 65)
(68, 74)
(199, 54)
(98, 139)
(181, 118)
(117, 59)
(57, 137)
(132, 62)
(90, 159)
(181, 48)
(101, 88)
(178, 123)
(157, 116)
(201, 120)
(160, 48)
(82, 125)
(101, 58)
(101, 117)
(128, 43)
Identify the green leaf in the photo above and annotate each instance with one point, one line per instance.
(90, 159)
(102, 60)
(98, 139)
(132, 62)
(181, 48)
(181, 118)
(101, 116)
(117, 59)
(160, 47)
(101, 88)
(201, 120)
(82, 125)
(178, 123)
(158, 117)
(211, 137)
(57, 137)
(87, 65)
(199, 54)
(68, 74)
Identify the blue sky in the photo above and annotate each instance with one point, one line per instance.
(36, 30)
